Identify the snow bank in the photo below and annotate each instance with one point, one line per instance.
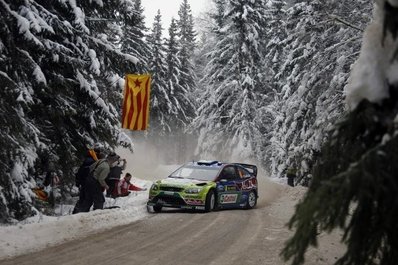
(41, 231)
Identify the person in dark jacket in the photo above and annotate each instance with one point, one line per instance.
(92, 156)
(95, 183)
(291, 175)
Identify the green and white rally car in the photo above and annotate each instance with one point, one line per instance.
(207, 186)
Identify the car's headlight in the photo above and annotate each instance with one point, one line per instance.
(154, 187)
(193, 190)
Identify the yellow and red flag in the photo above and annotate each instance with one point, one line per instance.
(136, 102)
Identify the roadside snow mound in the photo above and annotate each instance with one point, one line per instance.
(41, 231)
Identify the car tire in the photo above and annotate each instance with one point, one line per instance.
(157, 208)
(251, 200)
(210, 201)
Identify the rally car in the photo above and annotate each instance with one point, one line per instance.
(206, 186)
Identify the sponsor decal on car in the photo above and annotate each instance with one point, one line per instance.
(248, 184)
(228, 198)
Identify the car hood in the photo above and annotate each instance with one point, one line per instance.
(180, 182)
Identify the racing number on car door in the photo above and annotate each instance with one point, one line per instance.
(229, 192)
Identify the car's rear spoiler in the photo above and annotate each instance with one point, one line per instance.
(251, 168)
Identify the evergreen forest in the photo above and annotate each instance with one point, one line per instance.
(300, 84)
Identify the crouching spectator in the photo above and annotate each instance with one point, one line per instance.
(124, 187)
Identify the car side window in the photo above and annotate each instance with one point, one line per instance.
(228, 173)
(243, 173)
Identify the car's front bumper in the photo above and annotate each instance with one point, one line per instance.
(176, 200)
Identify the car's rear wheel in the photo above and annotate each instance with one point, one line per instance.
(251, 200)
(210, 201)
(157, 208)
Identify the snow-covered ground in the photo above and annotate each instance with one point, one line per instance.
(276, 202)
(41, 231)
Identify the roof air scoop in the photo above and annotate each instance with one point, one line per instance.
(207, 162)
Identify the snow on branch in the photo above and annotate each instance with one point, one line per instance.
(369, 77)
(108, 47)
(23, 24)
(79, 16)
(93, 94)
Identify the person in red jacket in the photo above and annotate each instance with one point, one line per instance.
(124, 187)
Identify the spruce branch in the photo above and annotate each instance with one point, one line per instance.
(339, 19)
(354, 192)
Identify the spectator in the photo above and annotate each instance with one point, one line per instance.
(291, 175)
(124, 187)
(46, 169)
(114, 175)
(84, 170)
(95, 183)
(47, 178)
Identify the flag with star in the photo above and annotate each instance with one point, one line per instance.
(136, 102)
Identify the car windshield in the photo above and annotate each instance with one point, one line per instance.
(196, 172)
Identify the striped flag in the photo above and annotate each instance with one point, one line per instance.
(136, 102)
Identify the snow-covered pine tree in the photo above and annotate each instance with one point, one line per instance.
(187, 44)
(355, 184)
(17, 133)
(173, 76)
(182, 107)
(186, 31)
(210, 116)
(211, 35)
(208, 24)
(227, 120)
(187, 39)
(160, 102)
(273, 53)
(133, 40)
(276, 34)
(53, 67)
(319, 50)
(106, 24)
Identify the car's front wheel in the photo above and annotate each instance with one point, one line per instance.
(251, 200)
(210, 201)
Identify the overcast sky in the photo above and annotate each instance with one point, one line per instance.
(169, 9)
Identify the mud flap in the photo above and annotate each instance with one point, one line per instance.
(149, 209)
